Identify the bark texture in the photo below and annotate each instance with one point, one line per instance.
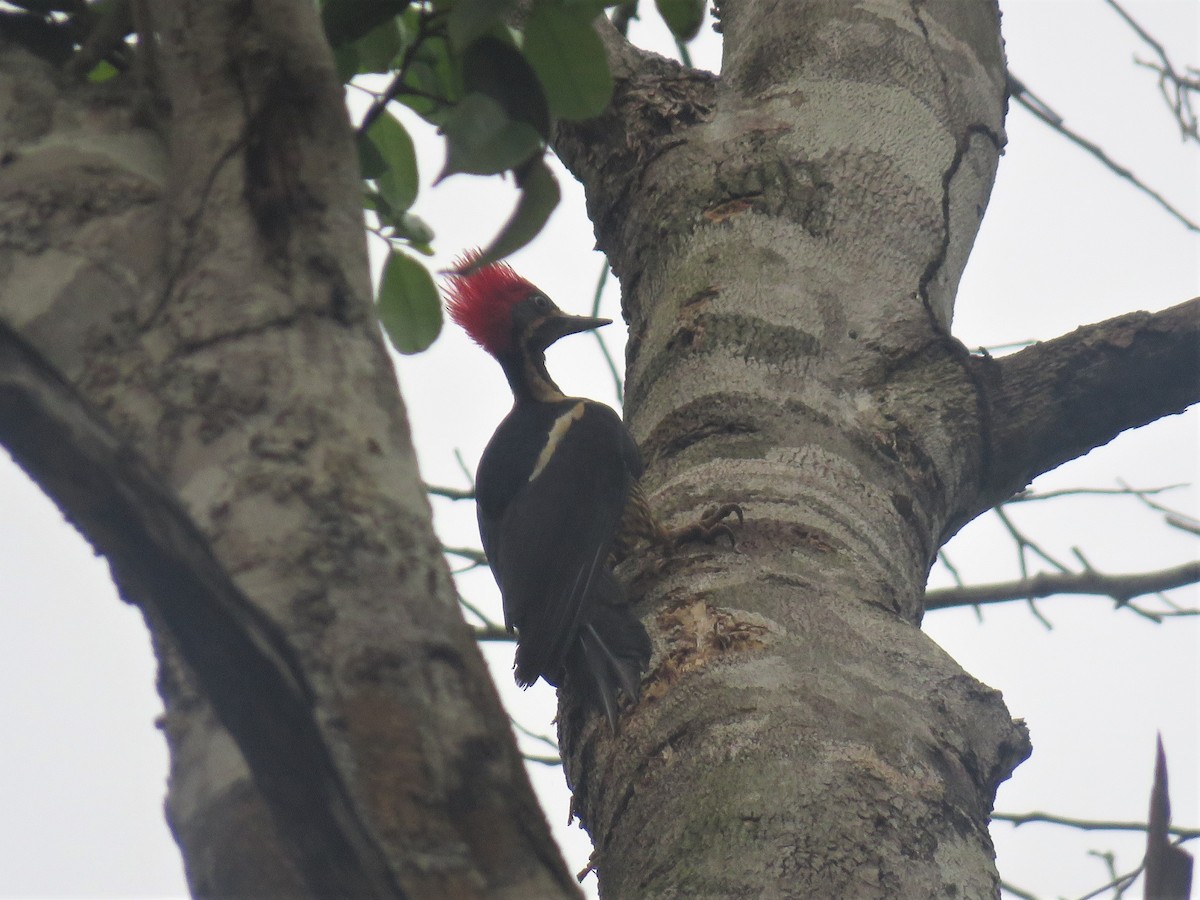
(789, 237)
(1059, 399)
(190, 256)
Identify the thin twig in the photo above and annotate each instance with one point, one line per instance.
(480, 615)
(476, 556)
(618, 386)
(1181, 103)
(1039, 108)
(1172, 517)
(529, 733)
(1019, 819)
(463, 466)
(543, 760)
(1024, 543)
(1118, 884)
(1017, 892)
(1126, 491)
(450, 493)
(425, 20)
(493, 634)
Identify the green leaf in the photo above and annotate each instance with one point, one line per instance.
(471, 19)
(409, 307)
(345, 58)
(102, 72)
(482, 140)
(683, 17)
(379, 47)
(433, 71)
(414, 229)
(492, 67)
(346, 21)
(371, 163)
(568, 57)
(399, 183)
(539, 196)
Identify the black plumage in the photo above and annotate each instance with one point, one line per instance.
(552, 487)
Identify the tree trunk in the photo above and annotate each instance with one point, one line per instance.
(789, 245)
(189, 254)
(190, 365)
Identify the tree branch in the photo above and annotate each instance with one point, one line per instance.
(450, 493)
(1041, 110)
(245, 666)
(1121, 588)
(1176, 88)
(1018, 819)
(1059, 399)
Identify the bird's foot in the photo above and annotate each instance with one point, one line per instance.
(712, 525)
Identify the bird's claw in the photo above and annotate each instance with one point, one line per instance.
(711, 526)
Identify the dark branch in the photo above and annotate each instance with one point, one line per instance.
(1035, 105)
(1121, 588)
(1058, 400)
(1032, 496)
(491, 633)
(1176, 89)
(1018, 819)
(163, 563)
(1007, 888)
(477, 557)
(450, 493)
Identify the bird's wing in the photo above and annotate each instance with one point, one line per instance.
(547, 542)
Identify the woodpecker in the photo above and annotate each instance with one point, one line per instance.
(552, 489)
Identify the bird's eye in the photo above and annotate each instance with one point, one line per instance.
(542, 302)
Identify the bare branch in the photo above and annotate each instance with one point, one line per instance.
(492, 634)
(1123, 491)
(552, 760)
(1025, 544)
(1175, 88)
(1019, 819)
(466, 471)
(618, 385)
(1172, 517)
(480, 615)
(478, 557)
(1016, 891)
(1121, 588)
(542, 760)
(1041, 110)
(450, 493)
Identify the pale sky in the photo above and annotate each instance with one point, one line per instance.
(1064, 243)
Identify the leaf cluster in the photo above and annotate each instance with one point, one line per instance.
(493, 93)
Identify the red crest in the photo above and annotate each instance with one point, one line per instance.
(481, 301)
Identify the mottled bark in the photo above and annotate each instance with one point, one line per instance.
(1059, 399)
(189, 254)
(789, 237)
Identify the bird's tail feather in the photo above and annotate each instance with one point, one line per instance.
(614, 650)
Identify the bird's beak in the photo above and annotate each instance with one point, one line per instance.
(559, 324)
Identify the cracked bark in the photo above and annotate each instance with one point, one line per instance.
(191, 260)
(789, 238)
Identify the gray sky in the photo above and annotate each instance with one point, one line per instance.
(1063, 243)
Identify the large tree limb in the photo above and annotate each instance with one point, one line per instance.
(1057, 400)
(165, 565)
